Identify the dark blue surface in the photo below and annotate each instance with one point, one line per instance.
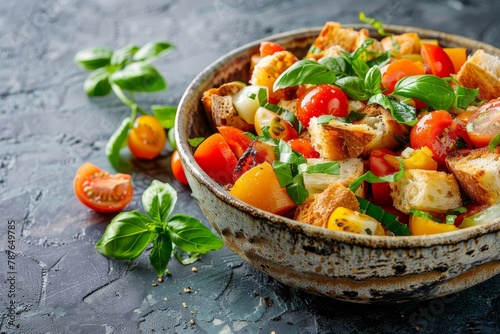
(48, 128)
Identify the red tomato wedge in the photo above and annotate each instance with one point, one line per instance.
(216, 158)
(381, 167)
(484, 124)
(304, 147)
(437, 60)
(101, 191)
(235, 138)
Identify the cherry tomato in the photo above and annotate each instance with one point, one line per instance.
(147, 138)
(398, 70)
(235, 138)
(177, 168)
(269, 48)
(381, 167)
(304, 147)
(101, 191)
(484, 124)
(441, 133)
(256, 153)
(278, 127)
(322, 100)
(437, 60)
(216, 158)
(260, 188)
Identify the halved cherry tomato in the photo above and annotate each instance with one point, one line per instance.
(381, 167)
(147, 138)
(235, 138)
(260, 187)
(441, 133)
(101, 191)
(484, 124)
(279, 128)
(398, 70)
(269, 48)
(216, 158)
(177, 168)
(426, 226)
(320, 100)
(437, 60)
(304, 147)
(256, 153)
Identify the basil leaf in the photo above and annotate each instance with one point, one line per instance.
(159, 200)
(97, 83)
(139, 77)
(283, 172)
(381, 60)
(304, 71)
(190, 235)
(423, 214)
(151, 51)
(195, 142)
(494, 142)
(354, 116)
(93, 58)
(465, 96)
(332, 168)
(287, 155)
(165, 115)
(353, 87)
(360, 67)
(372, 178)
(123, 56)
(374, 23)
(338, 66)
(161, 253)
(116, 142)
(325, 119)
(402, 112)
(126, 237)
(389, 220)
(171, 138)
(428, 88)
(373, 80)
(186, 258)
(297, 193)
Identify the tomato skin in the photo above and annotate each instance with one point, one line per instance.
(101, 191)
(269, 48)
(398, 70)
(320, 100)
(177, 168)
(484, 124)
(437, 60)
(256, 153)
(147, 138)
(440, 133)
(381, 167)
(216, 158)
(304, 147)
(279, 128)
(235, 138)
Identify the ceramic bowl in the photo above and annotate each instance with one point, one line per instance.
(351, 267)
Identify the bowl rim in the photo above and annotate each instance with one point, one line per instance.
(187, 158)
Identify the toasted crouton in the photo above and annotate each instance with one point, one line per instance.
(407, 43)
(218, 105)
(333, 34)
(337, 140)
(387, 129)
(478, 172)
(426, 190)
(317, 211)
(350, 169)
(481, 70)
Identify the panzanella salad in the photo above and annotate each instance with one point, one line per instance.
(389, 137)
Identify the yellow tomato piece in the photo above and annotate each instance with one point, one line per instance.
(458, 56)
(418, 159)
(260, 187)
(426, 226)
(347, 220)
(430, 41)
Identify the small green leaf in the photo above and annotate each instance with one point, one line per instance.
(93, 58)
(159, 200)
(373, 80)
(190, 235)
(139, 77)
(186, 258)
(331, 167)
(152, 51)
(304, 71)
(116, 142)
(165, 114)
(360, 67)
(402, 112)
(126, 237)
(161, 253)
(339, 66)
(374, 23)
(389, 220)
(123, 56)
(171, 138)
(97, 83)
(423, 214)
(428, 88)
(372, 178)
(353, 87)
(381, 60)
(465, 96)
(195, 142)
(297, 193)
(283, 172)
(494, 142)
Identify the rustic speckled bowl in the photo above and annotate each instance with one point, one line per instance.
(351, 267)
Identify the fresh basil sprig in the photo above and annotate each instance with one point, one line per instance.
(130, 233)
(124, 72)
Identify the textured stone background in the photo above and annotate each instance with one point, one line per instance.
(48, 128)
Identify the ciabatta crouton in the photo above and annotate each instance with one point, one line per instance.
(478, 172)
(317, 211)
(481, 70)
(426, 190)
(333, 35)
(218, 105)
(387, 129)
(350, 169)
(337, 140)
(407, 43)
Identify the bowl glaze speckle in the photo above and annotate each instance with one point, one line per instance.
(351, 267)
